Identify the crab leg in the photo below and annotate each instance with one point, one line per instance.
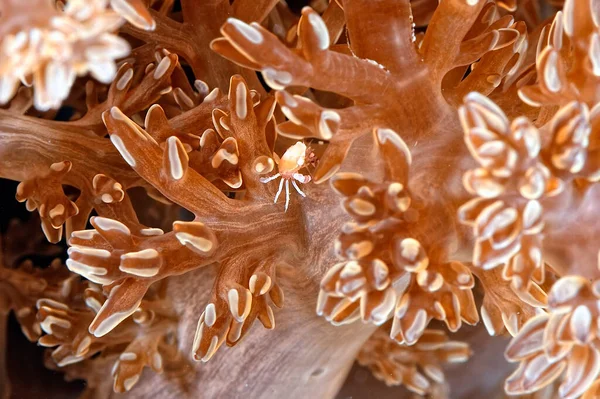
(270, 178)
(287, 194)
(301, 178)
(278, 191)
(298, 189)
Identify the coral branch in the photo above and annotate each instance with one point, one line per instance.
(89, 155)
(141, 339)
(240, 296)
(561, 340)
(190, 40)
(568, 63)
(496, 65)
(388, 22)
(45, 193)
(313, 64)
(385, 267)
(166, 169)
(507, 216)
(111, 256)
(256, 48)
(417, 367)
(129, 95)
(503, 309)
(249, 125)
(456, 16)
(252, 10)
(23, 286)
(91, 47)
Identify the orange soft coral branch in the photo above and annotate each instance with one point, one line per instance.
(24, 285)
(87, 167)
(206, 152)
(240, 296)
(128, 94)
(574, 150)
(252, 10)
(316, 65)
(254, 131)
(140, 340)
(31, 45)
(382, 31)
(506, 216)
(111, 255)
(247, 124)
(89, 155)
(492, 51)
(190, 38)
(45, 193)
(504, 310)
(560, 340)
(567, 60)
(128, 262)
(166, 169)
(89, 158)
(439, 50)
(385, 265)
(489, 72)
(418, 367)
(520, 182)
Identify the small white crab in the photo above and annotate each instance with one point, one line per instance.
(295, 158)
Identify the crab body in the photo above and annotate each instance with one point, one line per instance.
(293, 160)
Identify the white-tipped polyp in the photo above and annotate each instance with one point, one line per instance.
(249, 32)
